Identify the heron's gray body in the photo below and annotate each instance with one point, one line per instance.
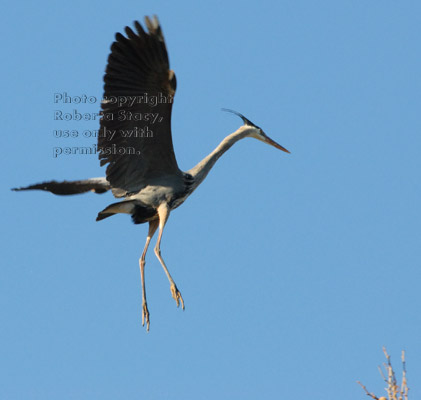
(143, 205)
(144, 171)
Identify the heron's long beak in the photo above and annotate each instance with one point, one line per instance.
(268, 140)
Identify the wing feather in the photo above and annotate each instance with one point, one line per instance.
(135, 137)
(97, 185)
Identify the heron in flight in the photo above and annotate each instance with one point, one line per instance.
(135, 142)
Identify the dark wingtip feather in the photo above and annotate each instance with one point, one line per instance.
(119, 37)
(38, 186)
(129, 32)
(139, 28)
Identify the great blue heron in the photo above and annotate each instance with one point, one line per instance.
(135, 141)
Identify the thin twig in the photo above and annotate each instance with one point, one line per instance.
(367, 392)
(394, 391)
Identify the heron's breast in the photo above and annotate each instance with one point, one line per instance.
(173, 193)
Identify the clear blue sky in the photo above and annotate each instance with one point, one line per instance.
(295, 269)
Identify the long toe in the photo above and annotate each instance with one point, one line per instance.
(177, 296)
(145, 316)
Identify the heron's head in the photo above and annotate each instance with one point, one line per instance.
(257, 132)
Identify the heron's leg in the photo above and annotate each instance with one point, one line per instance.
(153, 225)
(164, 213)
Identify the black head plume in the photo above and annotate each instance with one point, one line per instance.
(245, 120)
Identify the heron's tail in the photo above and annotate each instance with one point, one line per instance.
(97, 185)
(102, 215)
(124, 207)
(140, 212)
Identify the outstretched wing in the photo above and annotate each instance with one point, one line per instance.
(135, 132)
(97, 185)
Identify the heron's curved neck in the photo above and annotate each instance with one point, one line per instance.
(201, 170)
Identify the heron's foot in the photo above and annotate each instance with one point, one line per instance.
(145, 315)
(177, 296)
